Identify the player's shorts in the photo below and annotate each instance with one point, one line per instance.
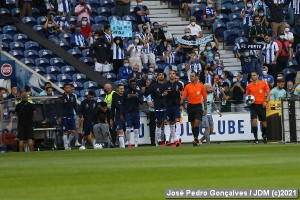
(120, 125)
(194, 112)
(25, 131)
(207, 121)
(160, 116)
(257, 110)
(173, 113)
(87, 128)
(132, 120)
(68, 124)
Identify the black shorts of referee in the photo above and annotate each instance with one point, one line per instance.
(257, 110)
(194, 112)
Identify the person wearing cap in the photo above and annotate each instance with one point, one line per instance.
(278, 92)
(238, 90)
(284, 52)
(196, 30)
(225, 97)
(269, 79)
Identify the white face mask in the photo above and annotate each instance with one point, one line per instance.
(210, 5)
(234, 80)
(4, 95)
(281, 36)
(140, 3)
(264, 73)
(84, 23)
(260, 14)
(217, 58)
(63, 18)
(136, 41)
(187, 34)
(249, 5)
(208, 48)
(287, 29)
(222, 76)
(150, 76)
(246, 54)
(193, 23)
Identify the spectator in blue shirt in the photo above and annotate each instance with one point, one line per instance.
(78, 39)
(125, 71)
(269, 79)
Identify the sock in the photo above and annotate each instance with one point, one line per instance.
(136, 136)
(173, 133)
(128, 135)
(65, 139)
(121, 141)
(83, 142)
(207, 137)
(71, 136)
(94, 142)
(167, 131)
(264, 131)
(76, 137)
(197, 129)
(178, 130)
(193, 131)
(158, 134)
(254, 130)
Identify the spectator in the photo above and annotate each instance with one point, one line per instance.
(109, 94)
(208, 75)
(26, 8)
(208, 54)
(185, 7)
(288, 35)
(193, 65)
(290, 90)
(217, 64)
(225, 97)
(108, 36)
(3, 96)
(62, 22)
(296, 31)
(148, 56)
(284, 52)
(64, 6)
(195, 29)
(13, 93)
(167, 33)
(277, 15)
(135, 52)
(135, 73)
(83, 10)
(269, 79)
(122, 7)
(51, 29)
(158, 37)
(260, 6)
(78, 39)
(224, 78)
(46, 6)
(169, 58)
(118, 53)
(263, 17)
(125, 71)
(146, 34)
(209, 14)
(86, 29)
(278, 92)
(151, 118)
(238, 90)
(258, 30)
(186, 48)
(270, 54)
(100, 53)
(141, 11)
(247, 15)
(44, 92)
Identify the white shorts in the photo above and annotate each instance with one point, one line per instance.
(99, 67)
(148, 58)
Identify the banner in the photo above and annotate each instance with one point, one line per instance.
(251, 46)
(273, 107)
(192, 43)
(7, 68)
(121, 28)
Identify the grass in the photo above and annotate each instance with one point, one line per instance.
(146, 172)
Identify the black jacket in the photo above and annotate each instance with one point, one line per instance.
(277, 11)
(100, 51)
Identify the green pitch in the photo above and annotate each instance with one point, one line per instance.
(145, 172)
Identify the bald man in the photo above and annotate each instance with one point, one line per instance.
(109, 94)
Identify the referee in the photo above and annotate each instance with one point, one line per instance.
(196, 93)
(261, 92)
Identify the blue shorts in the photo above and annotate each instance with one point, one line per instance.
(160, 116)
(132, 120)
(173, 113)
(68, 124)
(87, 128)
(120, 125)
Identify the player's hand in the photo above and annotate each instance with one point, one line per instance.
(265, 104)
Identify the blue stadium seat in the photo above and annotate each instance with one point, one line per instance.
(11, 30)
(104, 11)
(90, 85)
(45, 53)
(75, 53)
(94, 12)
(180, 66)
(66, 36)
(54, 70)
(113, 17)
(28, 61)
(97, 26)
(4, 12)
(99, 99)
(159, 60)
(36, 12)
(56, 61)
(226, 8)
(218, 29)
(38, 28)
(68, 70)
(81, 99)
(113, 11)
(107, 3)
(50, 77)
(233, 17)
(84, 92)
(77, 94)
(31, 54)
(60, 84)
(31, 45)
(66, 78)
(6, 38)
(100, 92)
(223, 2)
(94, 3)
(30, 21)
(223, 18)
(233, 25)
(5, 46)
(85, 53)
(15, 12)
(79, 77)
(183, 75)
(197, 11)
(17, 54)
(43, 62)
(16, 46)
(230, 36)
(78, 86)
(92, 20)
(73, 20)
(39, 70)
(20, 38)
(239, 3)
(110, 76)
(129, 18)
(41, 20)
(122, 82)
(64, 44)
(101, 20)
(87, 60)
(241, 39)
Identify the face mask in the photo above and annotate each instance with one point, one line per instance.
(50, 25)
(165, 29)
(217, 58)
(63, 18)
(281, 36)
(249, 5)
(151, 69)
(96, 37)
(136, 41)
(234, 80)
(150, 76)
(264, 73)
(193, 23)
(169, 48)
(210, 5)
(126, 64)
(196, 52)
(208, 48)
(84, 23)
(261, 14)
(4, 95)
(140, 3)
(78, 32)
(187, 34)
(287, 29)
(246, 54)
(222, 76)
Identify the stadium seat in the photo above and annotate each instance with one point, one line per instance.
(30, 21)
(110, 76)
(11, 30)
(94, 12)
(79, 77)
(31, 54)
(63, 44)
(97, 26)
(84, 92)
(39, 70)
(107, 3)
(104, 11)
(223, 18)
(85, 53)
(56, 61)
(183, 75)
(99, 99)
(81, 99)
(197, 11)
(87, 60)
(38, 28)
(90, 85)
(66, 78)
(101, 20)
(54, 70)
(122, 82)
(113, 11)
(94, 3)
(60, 84)
(75, 53)
(31, 45)
(41, 20)
(234, 17)
(236, 9)
(50, 77)
(78, 86)
(77, 94)
(230, 36)
(15, 12)
(218, 29)
(6, 38)
(113, 17)
(68, 70)
(226, 8)
(16, 46)
(28, 61)
(20, 38)
(100, 93)
(233, 25)
(17, 54)
(129, 18)
(180, 67)
(66, 36)
(36, 12)
(73, 20)
(45, 53)
(43, 62)
(241, 39)
(239, 3)
(4, 12)
(159, 60)
(5, 46)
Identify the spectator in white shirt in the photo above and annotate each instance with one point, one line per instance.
(195, 28)
(135, 52)
(167, 33)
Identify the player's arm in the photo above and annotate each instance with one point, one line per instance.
(216, 109)
(184, 95)
(267, 90)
